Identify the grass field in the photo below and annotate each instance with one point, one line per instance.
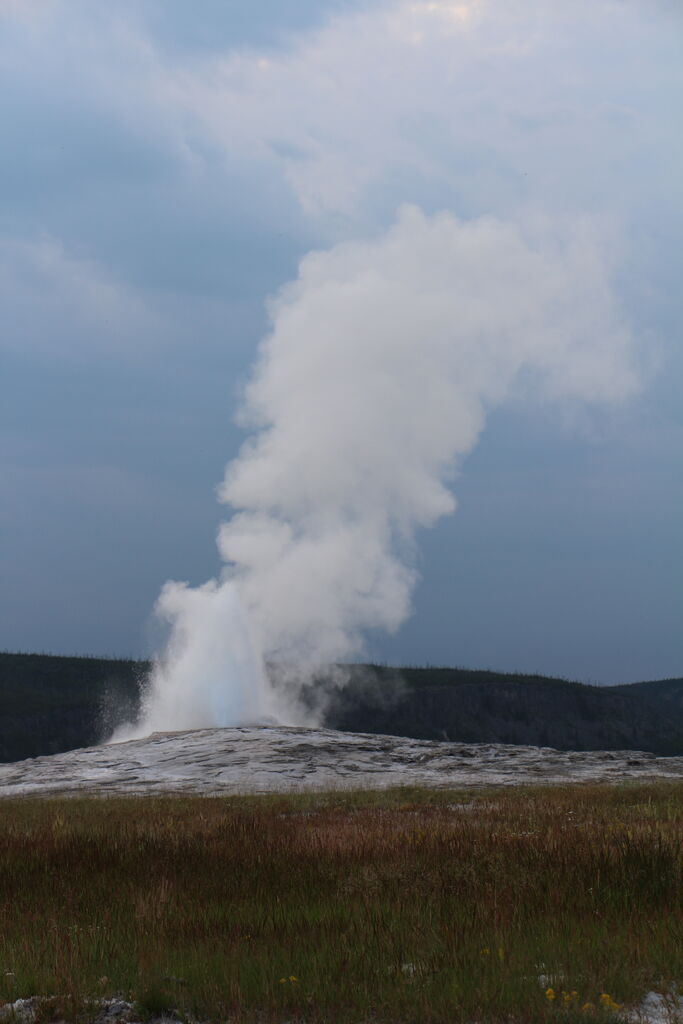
(529, 905)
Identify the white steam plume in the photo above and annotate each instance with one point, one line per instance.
(374, 382)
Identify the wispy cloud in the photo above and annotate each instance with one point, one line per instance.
(57, 305)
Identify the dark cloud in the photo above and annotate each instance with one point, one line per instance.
(219, 25)
(157, 183)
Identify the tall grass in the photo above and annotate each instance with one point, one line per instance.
(411, 905)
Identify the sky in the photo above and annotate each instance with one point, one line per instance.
(164, 170)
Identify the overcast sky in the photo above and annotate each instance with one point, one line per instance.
(164, 167)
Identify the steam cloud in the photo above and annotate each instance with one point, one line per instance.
(374, 382)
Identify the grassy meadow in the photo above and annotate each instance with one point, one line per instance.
(525, 904)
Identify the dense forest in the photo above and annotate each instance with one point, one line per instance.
(50, 704)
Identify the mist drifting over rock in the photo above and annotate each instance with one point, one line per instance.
(383, 359)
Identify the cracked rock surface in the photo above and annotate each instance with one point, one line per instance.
(257, 759)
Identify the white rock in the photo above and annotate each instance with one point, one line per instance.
(257, 759)
(21, 1011)
(657, 1009)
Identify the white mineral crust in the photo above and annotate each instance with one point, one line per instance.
(260, 759)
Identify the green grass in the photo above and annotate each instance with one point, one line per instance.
(405, 906)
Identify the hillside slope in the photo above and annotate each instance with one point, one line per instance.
(488, 707)
(668, 691)
(50, 704)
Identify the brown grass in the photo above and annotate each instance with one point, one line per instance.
(412, 905)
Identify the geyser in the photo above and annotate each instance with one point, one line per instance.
(382, 360)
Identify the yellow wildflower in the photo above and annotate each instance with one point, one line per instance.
(550, 994)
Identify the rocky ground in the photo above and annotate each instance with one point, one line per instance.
(276, 758)
(104, 1011)
(654, 1009)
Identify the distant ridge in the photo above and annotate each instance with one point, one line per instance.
(53, 703)
(491, 707)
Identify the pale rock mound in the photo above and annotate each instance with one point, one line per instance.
(258, 759)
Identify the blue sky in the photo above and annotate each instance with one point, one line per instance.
(164, 170)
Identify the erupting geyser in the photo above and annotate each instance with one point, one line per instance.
(373, 383)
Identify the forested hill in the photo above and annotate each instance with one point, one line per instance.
(49, 704)
(492, 707)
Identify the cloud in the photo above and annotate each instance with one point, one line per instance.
(487, 105)
(479, 106)
(99, 155)
(59, 306)
(154, 187)
(494, 104)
